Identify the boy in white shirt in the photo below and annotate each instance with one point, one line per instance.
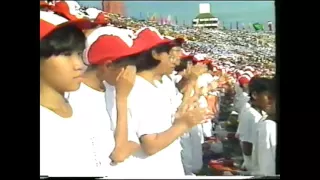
(63, 150)
(151, 113)
(267, 137)
(248, 119)
(114, 74)
(141, 109)
(90, 100)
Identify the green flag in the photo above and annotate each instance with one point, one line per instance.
(258, 26)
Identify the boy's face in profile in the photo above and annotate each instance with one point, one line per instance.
(263, 100)
(271, 107)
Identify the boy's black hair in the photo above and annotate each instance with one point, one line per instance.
(259, 85)
(183, 64)
(125, 61)
(121, 62)
(64, 40)
(145, 60)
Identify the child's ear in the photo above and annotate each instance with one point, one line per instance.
(254, 95)
(155, 55)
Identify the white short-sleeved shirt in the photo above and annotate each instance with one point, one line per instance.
(266, 148)
(89, 105)
(65, 148)
(168, 86)
(247, 129)
(150, 110)
(248, 118)
(131, 161)
(191, 141)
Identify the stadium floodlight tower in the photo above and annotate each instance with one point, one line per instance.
(205, 19)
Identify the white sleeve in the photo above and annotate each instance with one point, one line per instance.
(267, 145)
(246, 132)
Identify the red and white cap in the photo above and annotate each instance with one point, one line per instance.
(99, 16)
(186, 55)
(69, 9)
(50, 21)
(200, 57)
(109, 44)
(249, 73)
(244, 79)
(151, 37)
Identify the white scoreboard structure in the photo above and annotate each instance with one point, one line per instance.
(205, 18)
(204, 8)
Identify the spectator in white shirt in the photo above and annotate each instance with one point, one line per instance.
(108, 49)
(90, 100)
(150, 111)
(267, 137)
(63, 149)
(248, 119)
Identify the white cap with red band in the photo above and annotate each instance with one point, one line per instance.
(200, 57)
(69, 9)
(153, 29)
(111, 43)
(49, 21)
(150, 37)
(244, 79)
(93, 12)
